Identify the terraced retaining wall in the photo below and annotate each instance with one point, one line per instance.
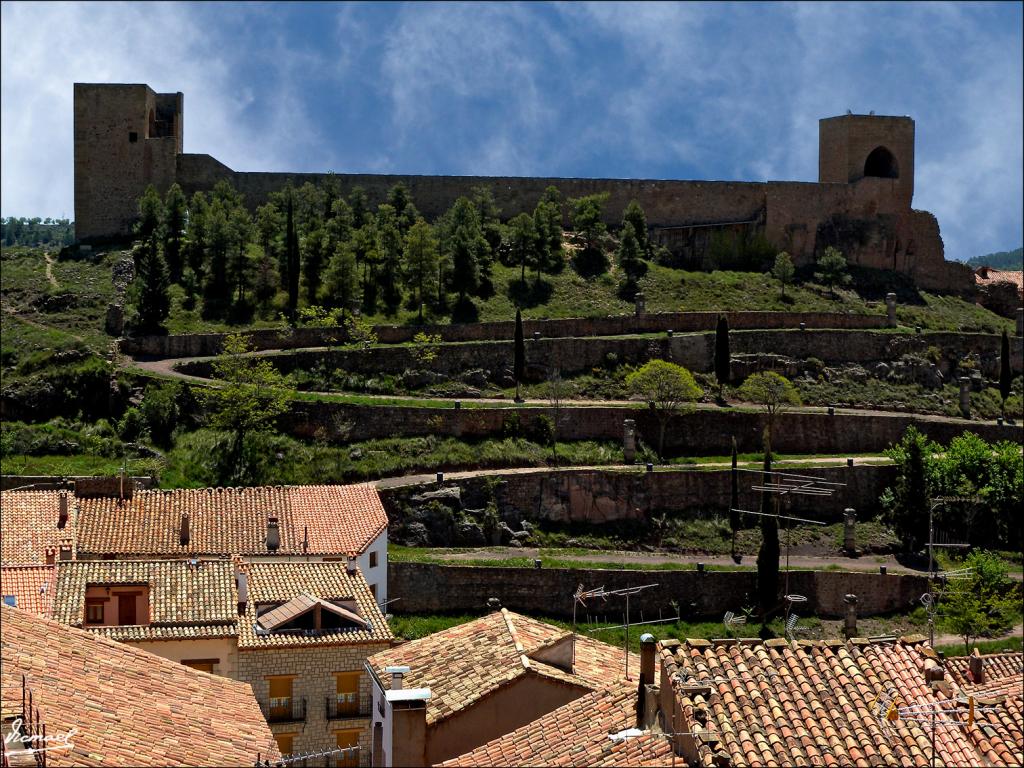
(203, 344)
(702, 432)
(430, 588)
(574, 355)
(602, 496)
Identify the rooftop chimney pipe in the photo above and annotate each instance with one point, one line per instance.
(62, 509)
(273, 535)
(183, 531)
(397, 673)
(350, 566)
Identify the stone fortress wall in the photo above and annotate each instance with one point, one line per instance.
(861, 202)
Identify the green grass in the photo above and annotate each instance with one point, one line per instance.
(79, 465)
(1011, 644)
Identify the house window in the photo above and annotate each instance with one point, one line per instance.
(347, 739)
(280, 697)
(11, 601)
(373, 559)
(347, 696)
(203, 665)
(94, 611)
(285, 742)
(132, 137)
(373, 591)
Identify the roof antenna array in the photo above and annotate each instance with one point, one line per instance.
(937, 587)
(580, 597)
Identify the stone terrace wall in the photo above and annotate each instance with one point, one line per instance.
(600, 496)
(429, 588)
(574, 355)
(702, 432)
(205, 344)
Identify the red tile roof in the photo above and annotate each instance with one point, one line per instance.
(577, 733)
(32, 587)
(989, 275)
(313, 520)
(28, 526)
(130, 708)
(817, 703)
(186, 602)
(462, 664)
(279, 582)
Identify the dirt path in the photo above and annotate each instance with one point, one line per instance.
(946, 639)
(49, 270)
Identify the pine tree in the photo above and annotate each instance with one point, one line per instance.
(291, 258)
(389, 248)
(195, 248)
(219, 242)
(523, 242)
(832, 269)
(174, 231)
(722, 357)
(519, 355)
(339, 284)
(1005, 372)
(151, 286)
(629, 254)
(421, 262)
(783, 271)
(635, 215)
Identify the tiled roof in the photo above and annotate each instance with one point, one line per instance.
(814, 703)
(1000, 737)
(462, 664)
(30, 585)
(988, 275)
(130, 708)
(577, 733)
(280, 582)
(185, 601)
(28, 526)
(313, 520)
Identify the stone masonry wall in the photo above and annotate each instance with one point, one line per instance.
(314, 667)
(429, 588)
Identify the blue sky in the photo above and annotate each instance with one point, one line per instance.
(661, 90)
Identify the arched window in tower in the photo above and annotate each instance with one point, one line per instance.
(151, 128)
(881, 163)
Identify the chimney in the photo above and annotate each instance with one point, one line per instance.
(397, 673)
(183, 531)
(273, 534)
(647, 697)
(647, 650)
(976, 666)
(242, 582)
(408, 726)
(62, 509)
(350, 566)
(305, 539)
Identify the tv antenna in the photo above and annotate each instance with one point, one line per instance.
(580, 597)
(938, 581)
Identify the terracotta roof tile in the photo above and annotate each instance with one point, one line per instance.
(462, 664)
(30, 585)
(817, 704)
(185, 600)
(130, 708)
(313, 520)
(29, 526)
(577, 733)
(277, 583)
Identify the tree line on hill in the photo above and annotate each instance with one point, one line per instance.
(36, 231)
(311, 246)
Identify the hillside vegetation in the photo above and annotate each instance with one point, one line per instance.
(1012, 261)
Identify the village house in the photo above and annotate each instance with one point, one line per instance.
(29, 587)
(103, 703)
(446, 694)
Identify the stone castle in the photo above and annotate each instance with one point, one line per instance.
(128, 136)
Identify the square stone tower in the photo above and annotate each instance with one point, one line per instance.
(855, 147)
(126, 138)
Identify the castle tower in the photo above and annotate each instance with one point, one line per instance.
(126, 138)
(855, 147)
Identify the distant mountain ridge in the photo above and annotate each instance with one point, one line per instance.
(1008, 260)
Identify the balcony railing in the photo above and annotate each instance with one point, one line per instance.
(344, 705)
(284, 710)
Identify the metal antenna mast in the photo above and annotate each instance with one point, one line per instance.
(580, 596)
(931, 598)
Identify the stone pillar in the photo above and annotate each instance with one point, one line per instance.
(890, 309)
(850, 531)
(629, 440)
(965, 396)
(850, 627)
(640, 304)
(1020, 321)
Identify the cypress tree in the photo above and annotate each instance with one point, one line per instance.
(722, 354)
(292, 258)
(768, 555)
(734, 499)
(519, 355)
(153, 302)
(1005, 372)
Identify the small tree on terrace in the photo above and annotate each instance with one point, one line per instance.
(629, 255)
(985, 604)
(635, 215)
(783, 271)
(774, 392)
(250, 396)
(905, 504)
(722, 357)
(832, 270)
(734, 498)
(523, 242)
(668, 388)
(519, 354)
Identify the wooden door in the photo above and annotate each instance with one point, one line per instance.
(126, 609)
